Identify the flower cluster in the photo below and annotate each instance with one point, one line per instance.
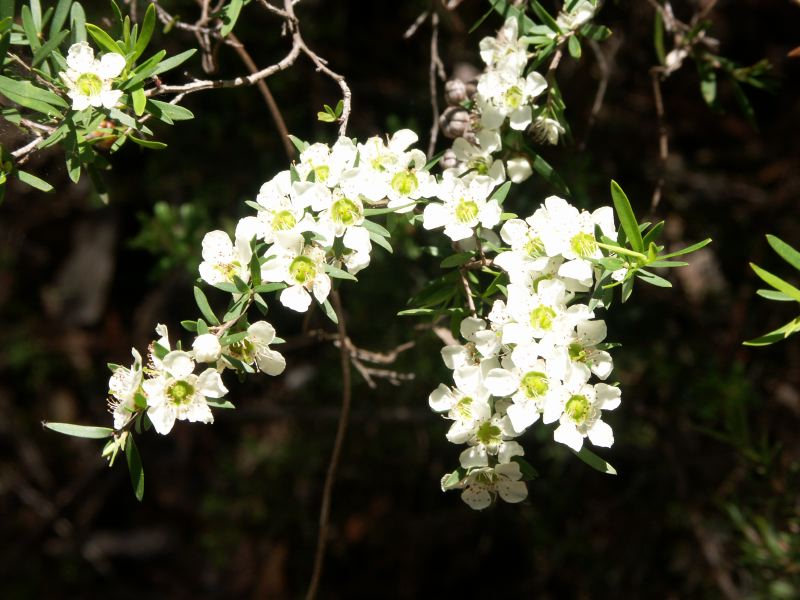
(309, 226)
(533, 357)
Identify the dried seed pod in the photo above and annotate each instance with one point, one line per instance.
(448, 160)
(455, 92)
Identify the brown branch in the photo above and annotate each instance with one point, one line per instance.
(467, 291)
(663, 138)
(267, 95)
(341, 430)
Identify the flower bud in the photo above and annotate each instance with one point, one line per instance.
(546, 130)
(455, 122)
(449, 160)
(206, 348)
(455, 92)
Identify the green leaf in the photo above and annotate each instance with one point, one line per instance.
(103, 39)
(34, 181)
(374, 227)
(173, 112)
(135, 466)
(82, 431)
(173, 61)
(506, 10)
(381, 241)
(776, 336)
(371, 212)
(339, 273)
(326, 117)
(59, 16)
(626, 217)
(774, 295)
(219, 403)
(776, 282)
(148, 25)
(147, 69)
(229, 15)
(151, 144)
(298, 143)
(501, 192)
(48, 47)
(6, 8)
(594, 461)
(226, 287)
(653, 279)
(233, 338)
(545, 16)
(456, 260)
(30, 28)
(28, 95)
(785, 251)
(77, 22)
(598, 33)
(329, 312)
(204, 306)
(189, 326)
(451, 480)
(574, 47)
(658, 37)
(686, 250)
(265, 288)
(543, 168)
(139, 100)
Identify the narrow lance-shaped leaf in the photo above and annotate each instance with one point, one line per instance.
(785, 251)
(82, 431)
(594, 461)
(135, 467)
(626, 217)
(776, 282)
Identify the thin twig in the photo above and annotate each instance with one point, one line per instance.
(267, 95)
(467, 291)
(435, 62)
(341, 430)
(600, 94)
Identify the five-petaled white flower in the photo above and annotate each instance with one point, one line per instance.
(89, 80)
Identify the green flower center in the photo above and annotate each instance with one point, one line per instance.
(513, 97)
(577, 352)
(466, 210)
(345, 211)
(180, 392)
(485, 478)
(578, 409)
(534, 384)
(463, 408)
(542, 317)
(302, 270)
(405, 183)
(244, 350)
(479, 164)
(89, 84)
(283, 221)
(228, 270)
(534, 247)
(584, 244)
(488, 434)
(321, 173)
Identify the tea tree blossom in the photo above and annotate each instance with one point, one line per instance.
(465, 206)
(254, 349)
(123, 387)
(300, 266)
(176, 393)
(206, 348)
(482, 485)
(89, 80)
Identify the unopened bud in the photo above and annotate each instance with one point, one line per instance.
(455, 92)
(206, 348)
(455, 122)
(449, 160)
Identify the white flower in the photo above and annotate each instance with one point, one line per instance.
(581, 416)
(482, 485)
(222, 260)
(538, 313)
(476, 159)
(506, 50)
(89, 80)
(504, 94)
(299, 266)
(581, 13)
(582, 348)
(326, 163)
(482, 347)
(378, 166)
(281, 208)
(465, 207)
(123, 386)
(175, 392)
(206, 348)
(486, 435)
(519, 169)
(255, 349)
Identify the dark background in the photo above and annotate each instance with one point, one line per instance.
(706, 501)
